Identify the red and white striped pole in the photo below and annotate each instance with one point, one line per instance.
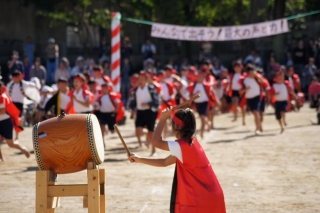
(115, 51)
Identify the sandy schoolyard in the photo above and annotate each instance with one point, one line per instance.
(266, 173)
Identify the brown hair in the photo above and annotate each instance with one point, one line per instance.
(189, 124)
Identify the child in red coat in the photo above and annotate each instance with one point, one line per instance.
(195, 187)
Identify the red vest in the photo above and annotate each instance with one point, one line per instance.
(113, 97)
(272, 93)
(12, 111)
(69, 108)
(207, 88)
(296, 82)
(198, 189)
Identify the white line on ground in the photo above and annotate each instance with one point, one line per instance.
(144, 207)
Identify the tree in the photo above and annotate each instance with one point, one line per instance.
(79, 14)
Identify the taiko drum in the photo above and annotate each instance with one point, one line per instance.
(65, 144)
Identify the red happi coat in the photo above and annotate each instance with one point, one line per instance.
(198, 189)
(210, 79)
(171, 102)
(69, 109)
(113, 97)
(11, 110)
(263, 87)
(166, 103)
(296, 82)
(207, 87)
(290, 93)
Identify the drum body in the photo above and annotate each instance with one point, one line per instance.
(65, 144)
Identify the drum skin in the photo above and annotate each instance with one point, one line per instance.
(63, 144)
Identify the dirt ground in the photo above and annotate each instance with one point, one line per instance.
(266, 173)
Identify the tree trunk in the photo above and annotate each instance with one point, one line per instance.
(278, 40)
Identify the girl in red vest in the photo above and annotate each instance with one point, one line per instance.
(9, 119)
(195, 187)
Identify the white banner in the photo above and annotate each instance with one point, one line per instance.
(220, 33)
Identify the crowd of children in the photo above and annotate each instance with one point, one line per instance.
(242, 90)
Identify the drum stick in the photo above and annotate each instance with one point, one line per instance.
(186, 102)
(123, 143)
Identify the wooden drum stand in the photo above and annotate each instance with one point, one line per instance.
(48, 194)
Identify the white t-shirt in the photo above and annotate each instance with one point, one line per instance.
(165, 92)
(282, 90)
(184, 89)
(143, 96)
(254, 88)
(235, 81)
(65, 99)
(169, 80)
(175, 150)
(107, 105)
(202, 92)
(5, 115)
(79, 107)
(95, 103)
(16, 95)
(100, 81)
(44, 100)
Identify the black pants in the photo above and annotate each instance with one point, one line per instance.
(280, 106)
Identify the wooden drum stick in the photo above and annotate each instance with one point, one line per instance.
(186, 102)
(123, 143)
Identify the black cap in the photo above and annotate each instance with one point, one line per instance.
(16, 73)
(90, 82)
(250, 67)
(62, 79)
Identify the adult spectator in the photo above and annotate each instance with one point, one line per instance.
(288, 61)
(91, 65)
(200, 61)
(52, 51)
(27, 67)
(217, 67)
(15, 63)
(272, 68)
(104, 50)
(39, 71)
(29, 49)
(254, 58)
(126, 49)
(79, 68)
(308, 73)
(299, 57)
(206, 48)
(314, 92)
(106, 69)
(125, 80)
(311, 48)
(148, 50)
(62, 71)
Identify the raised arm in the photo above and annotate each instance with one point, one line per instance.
(157, 138)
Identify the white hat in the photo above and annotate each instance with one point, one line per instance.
(36, 81)
(46, 88)
(51, 40)
(54, 87)
(80, 58)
